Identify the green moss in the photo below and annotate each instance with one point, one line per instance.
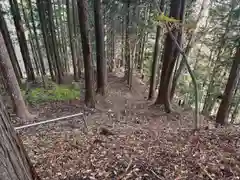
(55, 93)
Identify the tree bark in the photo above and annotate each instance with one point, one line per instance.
(207, 108)
(42, 17)
(70, 31)
(190, 44)
(43, 71)
(172, 63)
(34, 55)
(10, 48)
(62, 34)
(30, 39)
(127, 45)
(15, 163)
(122, 43)
(12, 84)
(77, 38)
(155, 59)
(56, 23)
(113, 62)
(101, 60)
(232, 83)
(142, 52)
(22, 40)
(88, 67)
(59, 69)
(154, 65)
(169, 58)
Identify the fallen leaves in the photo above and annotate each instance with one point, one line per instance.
(149, 148)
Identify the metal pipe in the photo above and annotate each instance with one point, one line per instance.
(47, 121)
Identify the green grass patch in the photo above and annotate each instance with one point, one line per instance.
(55, 93)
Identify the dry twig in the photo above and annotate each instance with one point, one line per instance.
(205, 171)
(155, 174)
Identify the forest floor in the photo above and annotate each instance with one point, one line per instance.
(126, 137)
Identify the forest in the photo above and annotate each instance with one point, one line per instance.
(119, 89)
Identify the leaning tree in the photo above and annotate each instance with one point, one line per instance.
(15, 163)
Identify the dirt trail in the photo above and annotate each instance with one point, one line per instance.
(128, 138)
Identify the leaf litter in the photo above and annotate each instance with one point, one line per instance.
(126, 138)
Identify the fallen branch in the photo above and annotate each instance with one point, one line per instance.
(129, 165)
(205, 171)
(155, 174)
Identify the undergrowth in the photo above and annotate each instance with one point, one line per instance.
(53, 93)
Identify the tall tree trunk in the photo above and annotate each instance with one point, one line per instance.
(34, 55)
(142, 52)
(189, 47)
(122, 43)
(207, 108)
(155, 59)
(127, 45)
(12, 84)
(10, 48)
(77, 39)
(172, 64)
(209, 99)
(37, 55)
(112, 45)
(72, 40)
(144, 38)
(101, 60)
(30, 38)
(232, 83)
(88, 67)
(59, 69)
(43, 71)
(154, 65)
(15, 163)
(42, 15)
(169, 60)
(56, 23)
(63, 35)
(22, 40)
